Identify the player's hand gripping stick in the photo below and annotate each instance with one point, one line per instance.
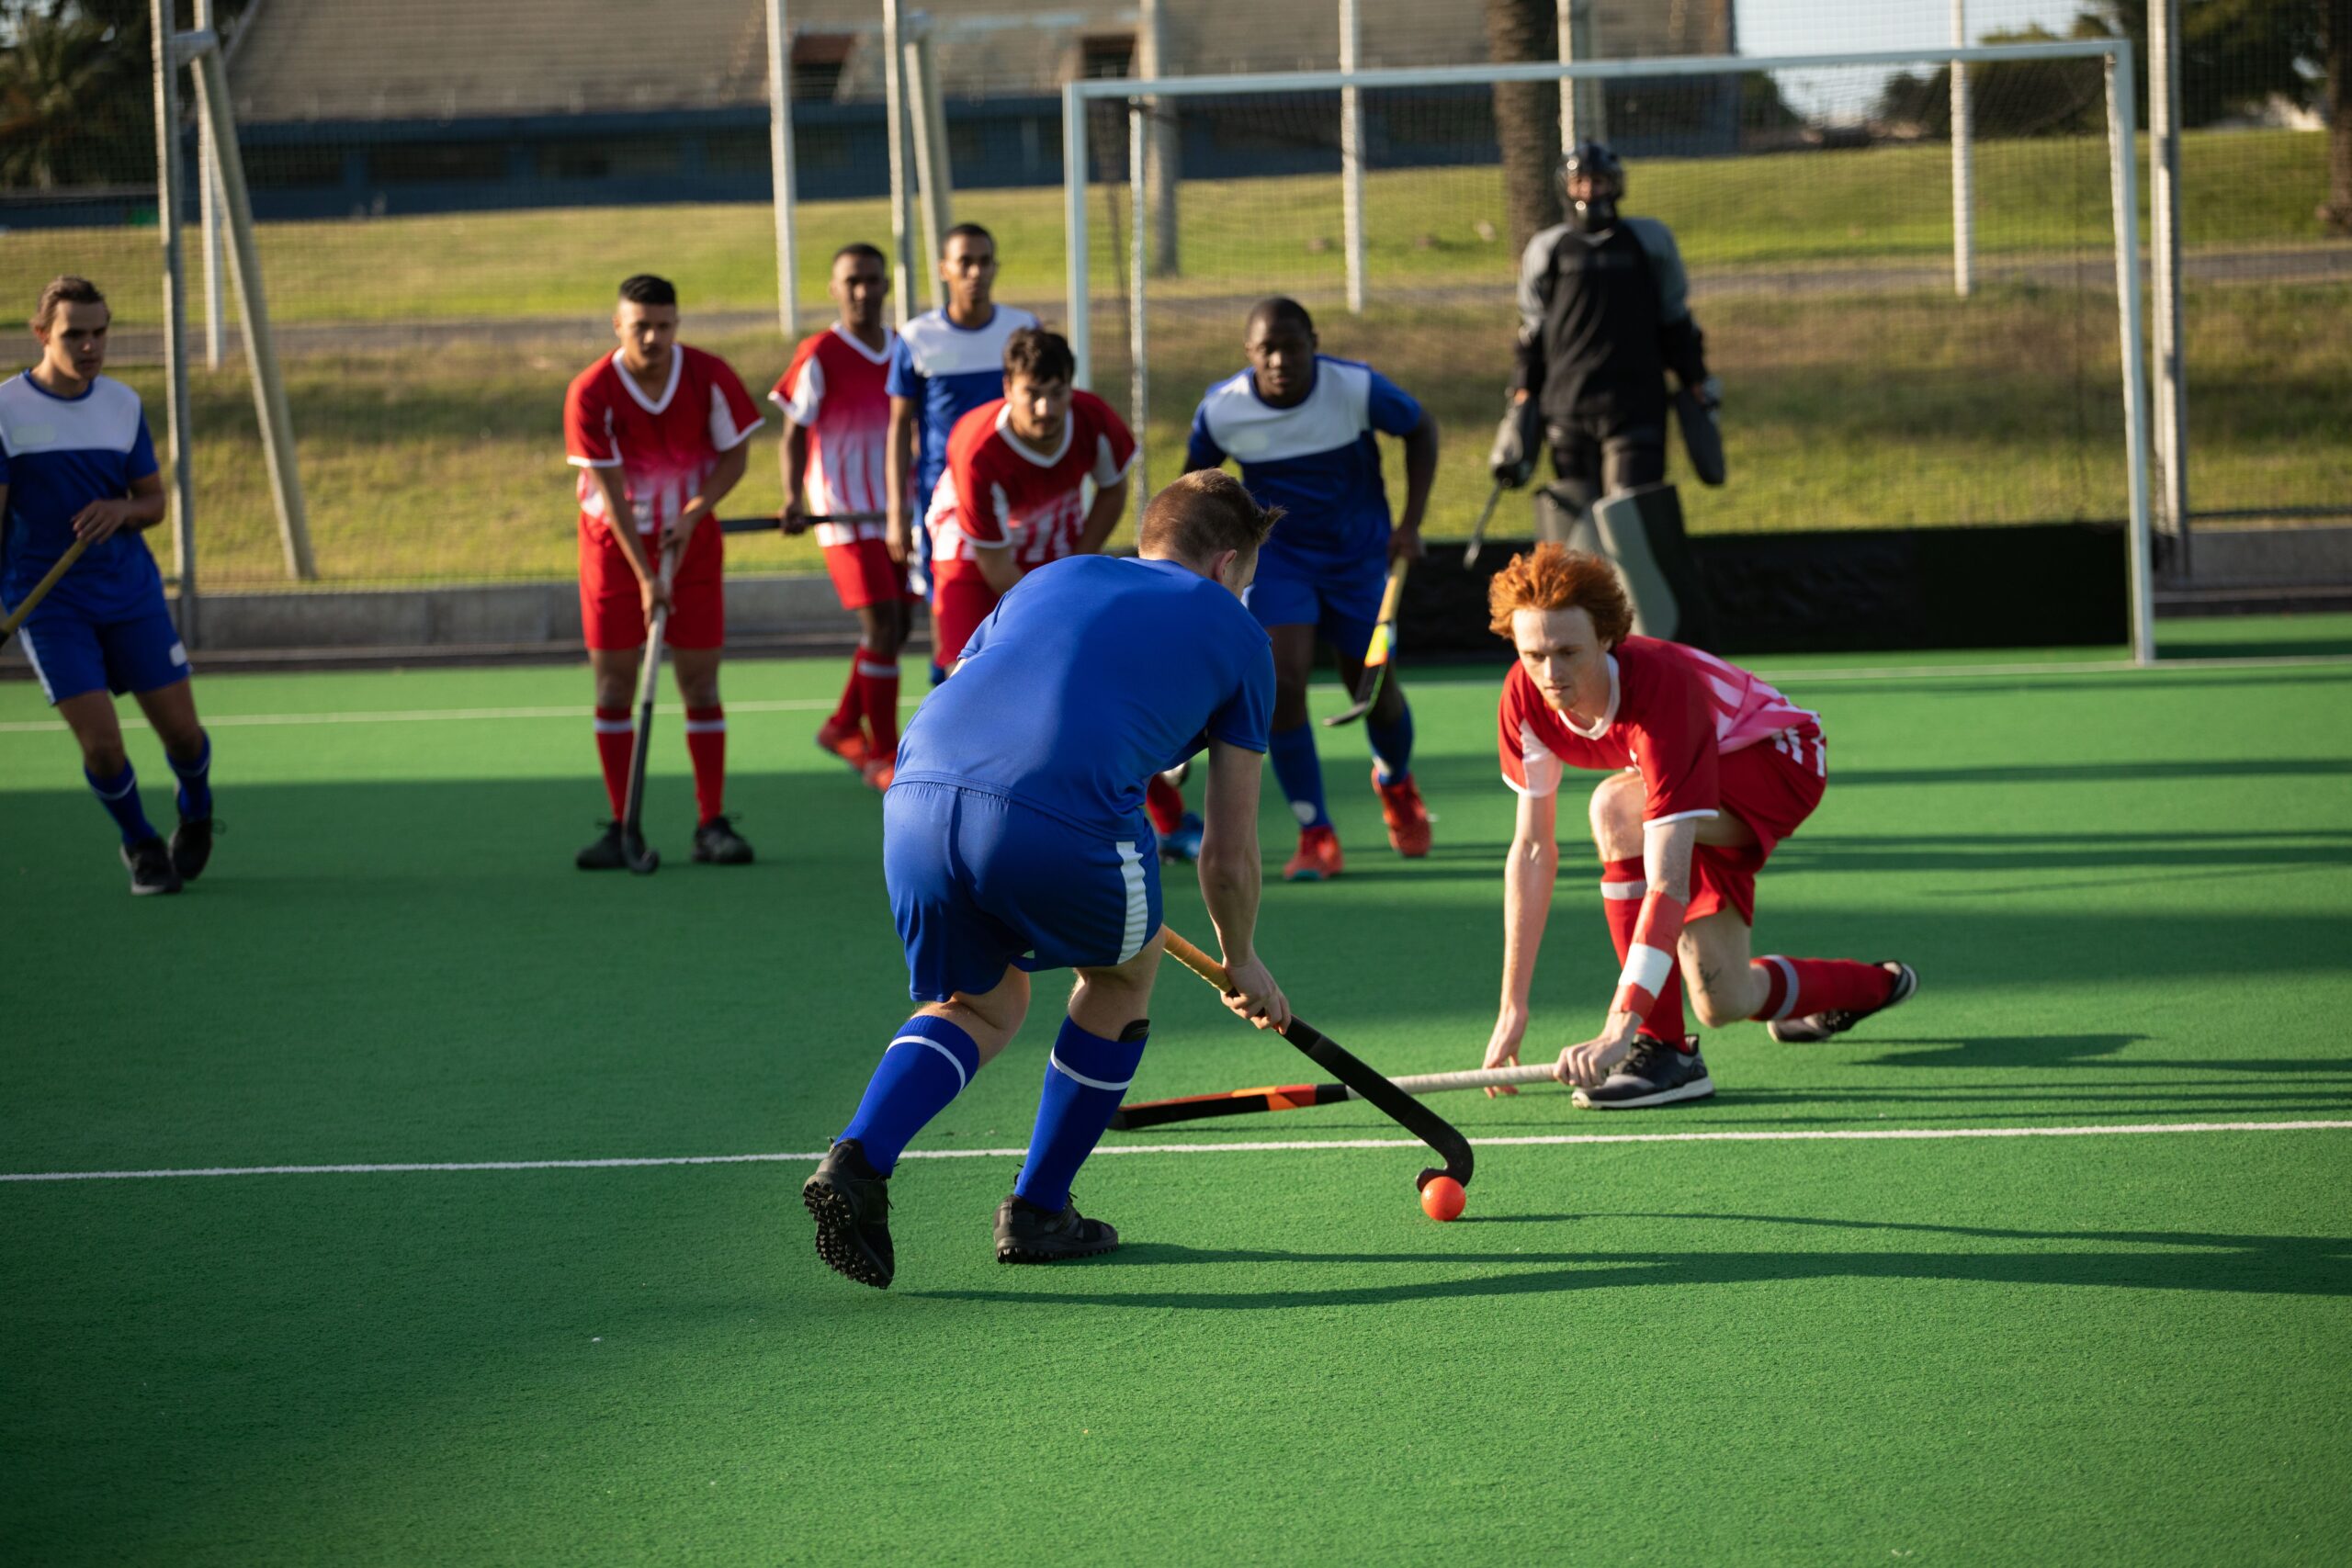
(1394, 1103)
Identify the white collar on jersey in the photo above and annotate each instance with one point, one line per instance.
(1004, 428)
(677, 368)
(890, 340)
(1608, 715)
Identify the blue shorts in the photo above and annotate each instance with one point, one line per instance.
(72, 652)
(1342, 603)
(979, 884)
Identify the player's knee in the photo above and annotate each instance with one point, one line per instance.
(1616, 815)
(105, 757)
(1715, 1011)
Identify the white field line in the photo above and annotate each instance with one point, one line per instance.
(1869, 1134)
(817, 704)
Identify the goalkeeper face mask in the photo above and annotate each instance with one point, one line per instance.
(1594, 179)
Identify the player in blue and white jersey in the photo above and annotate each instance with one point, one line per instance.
(1014, 839)
(1303, 428)
(946, 364)
(77, 461)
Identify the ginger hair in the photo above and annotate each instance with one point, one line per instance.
(1553, 577)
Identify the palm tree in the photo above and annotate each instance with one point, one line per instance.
(75, 107)
(1527, 115)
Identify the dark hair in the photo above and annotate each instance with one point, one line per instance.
(1553, 577)
(1034, 353)
(966, 231)
(1203, 514)
(66, 291)
(863, 252)
(1280, 309)
(644, 288)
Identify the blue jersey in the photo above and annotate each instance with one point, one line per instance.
(58, 455)
(1318, 460)
(949, 371)
(1091, 674)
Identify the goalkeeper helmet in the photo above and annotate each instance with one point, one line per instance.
(1596, 169)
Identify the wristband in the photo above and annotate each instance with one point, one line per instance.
(1649, 960)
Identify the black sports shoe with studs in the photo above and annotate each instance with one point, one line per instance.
(850, 1200)
(1027, 1234)
(192, 847)
(151, 868)
(1818, 1026)
(606, 854)
(717, 844)
(1655, 1073)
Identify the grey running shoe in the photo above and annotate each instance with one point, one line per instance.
(1818, 1026)
(850, 1200)
(717, 844)
(1655, 1073)
(150, 863)
(1027, 1234)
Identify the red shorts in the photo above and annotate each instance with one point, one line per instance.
(612, 611)
(863, 573)
(959, 606)
(1772, 786)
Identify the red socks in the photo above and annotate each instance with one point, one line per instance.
(1795, 988)
(1164, 803)
(853, 703)
(615, 737)
(1622, 885)
(706, 745)
(876, 680)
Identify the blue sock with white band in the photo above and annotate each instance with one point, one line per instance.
(926, 1066)
(1085, 1079)
(119, 795)
(1392, 745)
(1300, 772)
(194, 797)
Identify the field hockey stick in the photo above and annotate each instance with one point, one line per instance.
(774, 521)
(1478, 529)
(1393, 1103)
(1377, 657)
(1298, 1097)
(642, 858)
(40, 589)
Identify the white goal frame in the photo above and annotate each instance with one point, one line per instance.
(2122, 180)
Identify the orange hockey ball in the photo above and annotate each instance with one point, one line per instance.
(1442, 1198)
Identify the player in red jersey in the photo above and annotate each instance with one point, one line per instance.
(1013, 495)
(835, 454)
(657, 430)
(1710, 767)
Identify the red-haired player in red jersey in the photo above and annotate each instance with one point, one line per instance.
(835, 452)
(1013, 495)
(1710, 768)
(657, 431)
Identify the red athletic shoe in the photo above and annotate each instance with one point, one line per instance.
(1407, 818)
(879, 771)
(849, 744)
(1318, 859)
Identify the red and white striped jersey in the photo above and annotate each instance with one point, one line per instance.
(665, 447)
(1673, 711)
(837, 390)
(997, 494)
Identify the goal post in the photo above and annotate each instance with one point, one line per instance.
(1676, 119)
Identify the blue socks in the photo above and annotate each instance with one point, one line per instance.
(1084, 1079)
(1392, 745)
(119, 795)
(1300, 772)
(195, 798)
(927, 1066)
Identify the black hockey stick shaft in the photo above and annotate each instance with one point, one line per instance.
(640, 859)
(771, 523)
(1478, 529)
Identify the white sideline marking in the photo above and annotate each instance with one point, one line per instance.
(1284, 1146)
(820, 704)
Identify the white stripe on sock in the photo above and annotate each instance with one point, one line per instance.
(615, 726)
(1054, 1060)
(1624, 892)
(706, 726)
(962, 1078)
(1789, 975)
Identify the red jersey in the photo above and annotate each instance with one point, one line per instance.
(836, 390)
(1672, 712)
(997, 494)
(665, 447)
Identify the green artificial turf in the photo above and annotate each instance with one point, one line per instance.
(2129, 894)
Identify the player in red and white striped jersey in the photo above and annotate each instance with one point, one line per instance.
(1013, 495)
(835, 452)
(657, 431)
(1710, 768)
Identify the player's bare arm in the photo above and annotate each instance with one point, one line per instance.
(897, 528)
(997, 568)
(1231, 881)
(1110, 505)
(792, 455)
(1529, 875)
(1666, 861)
(1421, 473)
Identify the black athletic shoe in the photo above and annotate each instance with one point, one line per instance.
(717, 844)
(1655, 1073)
(606, 854)
(850, 1200)
(192, 847)
(1027, 1234)
(151, 868)
(1818, 1026)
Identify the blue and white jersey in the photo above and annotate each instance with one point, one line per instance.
(949, 371)
(58, 455)
(1318, 461)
